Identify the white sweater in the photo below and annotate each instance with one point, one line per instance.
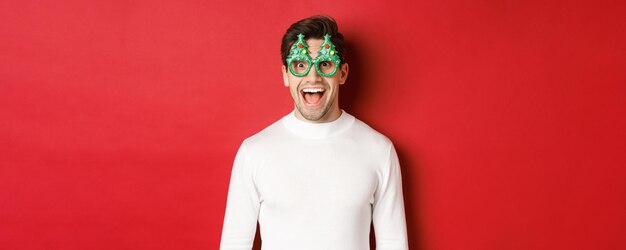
(315, 186)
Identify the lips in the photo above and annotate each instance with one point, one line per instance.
(312, 96)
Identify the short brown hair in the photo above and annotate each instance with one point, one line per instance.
(313, 27)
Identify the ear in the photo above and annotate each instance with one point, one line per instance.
(343, 73)
(285, 76)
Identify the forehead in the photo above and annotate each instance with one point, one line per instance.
(315, 45)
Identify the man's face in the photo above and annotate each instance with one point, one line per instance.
(316, 97)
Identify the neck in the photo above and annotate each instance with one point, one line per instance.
(332, 115)
(308, 129)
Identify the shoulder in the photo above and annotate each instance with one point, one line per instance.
(380, 148)
(266, 137)
(367, 134)
(370, 143)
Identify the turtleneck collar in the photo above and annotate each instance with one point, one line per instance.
(317, 130)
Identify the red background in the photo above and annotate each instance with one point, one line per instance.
(120, 119)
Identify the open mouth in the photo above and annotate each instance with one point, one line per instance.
(312, 96)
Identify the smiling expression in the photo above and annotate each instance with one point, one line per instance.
(316, 98)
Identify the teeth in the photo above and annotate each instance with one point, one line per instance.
(313, 90)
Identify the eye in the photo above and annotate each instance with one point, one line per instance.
(299, 66)
(326, 64)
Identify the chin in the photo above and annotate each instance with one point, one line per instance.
(314, 114)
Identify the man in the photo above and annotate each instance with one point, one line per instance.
(317, 178)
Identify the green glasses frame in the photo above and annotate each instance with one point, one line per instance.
(300, 52)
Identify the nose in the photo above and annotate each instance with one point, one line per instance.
(313, 76)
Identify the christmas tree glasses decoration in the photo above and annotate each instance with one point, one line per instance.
(326, 63)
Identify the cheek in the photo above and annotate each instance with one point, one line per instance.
(293, 81)
(333, 83)
(293, 86)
